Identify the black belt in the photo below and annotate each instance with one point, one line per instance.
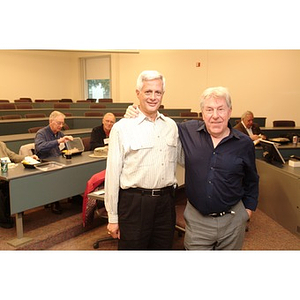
(154, 192)
(221, 214)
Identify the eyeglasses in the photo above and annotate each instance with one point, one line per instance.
(60, 123)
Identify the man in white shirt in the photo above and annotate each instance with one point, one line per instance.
(140, 176)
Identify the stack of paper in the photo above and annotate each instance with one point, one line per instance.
(294, 163)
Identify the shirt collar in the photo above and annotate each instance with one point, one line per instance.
(141, 117)
(233, 133)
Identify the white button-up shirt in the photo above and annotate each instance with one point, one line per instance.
(142, 153)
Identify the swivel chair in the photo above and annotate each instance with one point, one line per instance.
(284, 123)
(93, 204)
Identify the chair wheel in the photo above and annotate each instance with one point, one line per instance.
(96, 245)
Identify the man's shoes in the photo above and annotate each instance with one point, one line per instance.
(56, 208)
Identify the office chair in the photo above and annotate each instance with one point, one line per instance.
(86, 143)
(9, 117)
(97, 105)
(61, 105)
(34, 129)
(91, 205)
(35, 115)
(27, 149)
(23, 106)
(189, 114)
(23, 100)
(4, 105)
(284, 123)
(93, 114)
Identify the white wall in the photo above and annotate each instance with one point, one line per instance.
(264, 81)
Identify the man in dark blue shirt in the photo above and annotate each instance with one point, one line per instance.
(49, 141)
(220, 176)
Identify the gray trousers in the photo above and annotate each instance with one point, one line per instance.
(215, 233)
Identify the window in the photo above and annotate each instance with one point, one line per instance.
(98, 88)
(96, 77)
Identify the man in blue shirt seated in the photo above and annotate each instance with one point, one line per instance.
(50, 140)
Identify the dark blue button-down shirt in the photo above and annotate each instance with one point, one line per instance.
(46, 144)
(218, 178)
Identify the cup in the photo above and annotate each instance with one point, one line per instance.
(68, 154)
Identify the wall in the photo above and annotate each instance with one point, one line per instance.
(38, 74)
(264, 81)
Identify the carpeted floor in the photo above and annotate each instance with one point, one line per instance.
(65, 232)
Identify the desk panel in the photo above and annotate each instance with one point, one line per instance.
(30, 188)
(279, 194)
(286, 150)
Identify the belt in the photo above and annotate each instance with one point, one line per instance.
(154, 192)
(221, 214)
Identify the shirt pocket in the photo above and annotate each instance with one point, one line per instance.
(143, 153)
(172, 151)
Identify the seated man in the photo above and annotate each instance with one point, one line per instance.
(249, 128)
(5, 219)
(49, 141)
(100, 134)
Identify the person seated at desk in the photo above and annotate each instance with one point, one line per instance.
(5, 218)
(249, 128)
(100, 134)
(50, 141)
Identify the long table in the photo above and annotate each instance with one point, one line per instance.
(31, 188)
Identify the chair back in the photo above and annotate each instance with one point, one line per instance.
(9, 117)
(93, 114)
(86, 143)
(7, 106)
(23, 106)
(97, 105)
(189, 114)
(95, 181)
(34, 129)
(61, 105)
(35, 116)
(27, 149)
(284, 123)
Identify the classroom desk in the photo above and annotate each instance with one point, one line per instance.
(17, 126)
(279, 194)
(15, 141)
(31, 188)
(79, 111)
(273, 132)
(286, 150)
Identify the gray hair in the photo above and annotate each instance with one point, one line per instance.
(247, 113)
(216, 92)
(149, 75)
(55, 114)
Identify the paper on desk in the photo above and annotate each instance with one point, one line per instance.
(99, 192)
